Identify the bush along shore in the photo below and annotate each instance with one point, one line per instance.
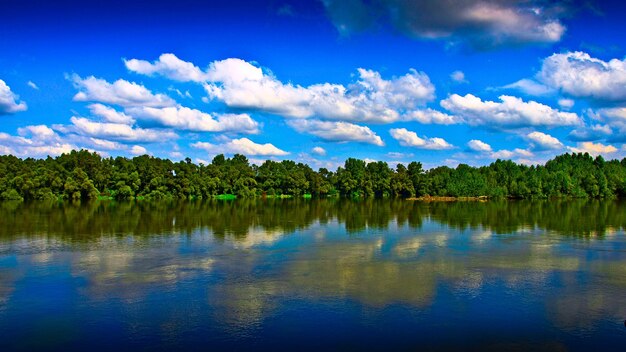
(81, 175)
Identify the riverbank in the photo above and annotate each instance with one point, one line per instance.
(450, 199)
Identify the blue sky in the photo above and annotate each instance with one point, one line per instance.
(441, 82)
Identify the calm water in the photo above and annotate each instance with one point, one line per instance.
(313, 274)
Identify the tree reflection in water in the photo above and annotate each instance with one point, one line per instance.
(175, 267)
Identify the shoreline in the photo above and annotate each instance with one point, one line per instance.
(449, 199)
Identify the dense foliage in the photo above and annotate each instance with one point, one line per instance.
(85, 175)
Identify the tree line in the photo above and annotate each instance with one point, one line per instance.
(82, 175)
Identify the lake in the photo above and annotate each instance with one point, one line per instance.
(313, 274)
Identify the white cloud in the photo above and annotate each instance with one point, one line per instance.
(316, 164)
(41, 141)
(179, 93)
(9, 101)
(481, 151)
(117, 131)
(318, 151)
(46, 150)
(479, 146)
(195, 120)
(502, 154)
(234, 70)
(105, 144)
(593, 148)
(34, 141)
(44, 135)
(337, 131)
(458, 76)
(179, 155)
(566, 103)
(120, 92)
(530, 87)
(580, 75)
(32, 85)
(240, 146)
(590, 133)
(613, 117)
(42, 132)
(370, 99)
(510, 154)
(170, 66)
(430, 116)
(138, 150)
(543, 141)
(511, 112)
(410, 139)
(109, 114)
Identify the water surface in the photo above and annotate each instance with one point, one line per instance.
(311, 274)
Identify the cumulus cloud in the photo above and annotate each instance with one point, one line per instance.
(543, 141)
(566, 103)
(170, 66)
(34, 141)
(9, 101)
(41, 141)
(510, 112)
(481, 23)
(612, 118)
(430, 116)
(479, 146)
(116, 131)
(195, 120)
(43, 150)
(410, 139)
(138, 150)
(370, 99)
(580, 75)
(318, 151)
(481, 150)
(41, 132)
(104, 144)
(337, 131)
(593, 148)
(510, 154)
(120, 92)
(590, 133)
(109, 114)
(240, 146)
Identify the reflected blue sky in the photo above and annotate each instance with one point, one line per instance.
(397, 286)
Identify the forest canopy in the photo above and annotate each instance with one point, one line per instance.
(82, 175)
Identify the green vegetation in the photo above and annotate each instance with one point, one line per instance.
(81, 175)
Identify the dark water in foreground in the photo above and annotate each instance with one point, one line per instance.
(313, 275)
